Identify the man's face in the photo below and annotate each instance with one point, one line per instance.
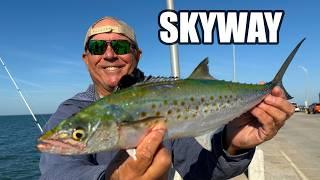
(107, 69)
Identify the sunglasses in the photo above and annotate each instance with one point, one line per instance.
(120, 47)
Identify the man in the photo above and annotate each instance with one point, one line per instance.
(111, 51)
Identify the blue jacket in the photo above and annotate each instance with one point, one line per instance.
(188, 157)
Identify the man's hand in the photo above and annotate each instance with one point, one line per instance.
(153, 160)
(260, 124)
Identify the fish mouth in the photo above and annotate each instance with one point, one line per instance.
(64, 146)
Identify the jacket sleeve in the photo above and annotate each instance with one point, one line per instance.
(54, 166)
(194, 162)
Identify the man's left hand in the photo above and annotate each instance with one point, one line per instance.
(260, 124)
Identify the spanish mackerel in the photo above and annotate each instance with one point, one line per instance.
(189, 108)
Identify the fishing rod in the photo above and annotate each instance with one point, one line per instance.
(24, 100)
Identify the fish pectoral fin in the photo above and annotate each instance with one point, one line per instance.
(133, 132)
(132, 153)
(201, 71)
(205, 140)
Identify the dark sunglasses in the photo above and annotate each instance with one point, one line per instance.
(99, 47)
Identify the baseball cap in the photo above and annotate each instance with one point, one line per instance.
(119, 27)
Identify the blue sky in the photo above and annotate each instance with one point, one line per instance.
(42, 41)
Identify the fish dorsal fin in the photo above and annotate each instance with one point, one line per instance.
(201, 71)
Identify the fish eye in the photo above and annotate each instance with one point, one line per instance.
(78, 134)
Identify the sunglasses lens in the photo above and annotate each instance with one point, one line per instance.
(98, 47)
(120, 46)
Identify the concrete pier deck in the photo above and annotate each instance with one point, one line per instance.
(295, 152)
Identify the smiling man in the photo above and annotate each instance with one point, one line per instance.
(111, 52)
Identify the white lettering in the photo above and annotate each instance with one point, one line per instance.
(170, 34)
(232, 27)
(188, 27)
(256, 28)
(207, 24)
(273, 25)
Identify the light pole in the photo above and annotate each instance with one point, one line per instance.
(234, 62)
(175, 69)
(305, 70)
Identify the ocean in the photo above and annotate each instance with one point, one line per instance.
(19, 158)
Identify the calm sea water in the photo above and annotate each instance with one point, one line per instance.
(19, 158)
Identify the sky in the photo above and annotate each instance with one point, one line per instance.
(41, 43)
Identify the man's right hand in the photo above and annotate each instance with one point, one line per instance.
(153, 160)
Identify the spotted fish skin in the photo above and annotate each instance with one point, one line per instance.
(189, 108)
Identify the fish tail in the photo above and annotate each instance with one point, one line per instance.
(277, 80)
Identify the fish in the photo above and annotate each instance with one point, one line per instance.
(191, 107)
